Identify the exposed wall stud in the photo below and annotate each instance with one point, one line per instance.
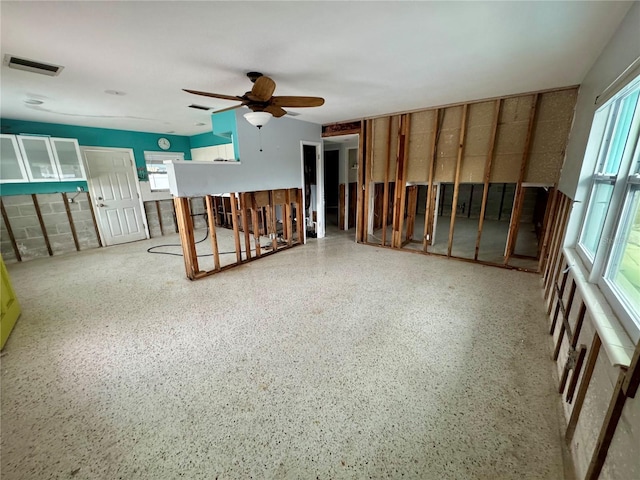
(159, 217)
(385, 194)
(211, 215)
(430, 204)
(185, 228)
(12, 238)
(34, 198)
(65, 200)
(456, 184)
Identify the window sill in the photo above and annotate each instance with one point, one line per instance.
(615, 339)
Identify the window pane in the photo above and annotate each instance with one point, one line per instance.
(624, 268)
(598, 206)
(620, 134)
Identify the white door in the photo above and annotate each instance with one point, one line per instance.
(113, 184)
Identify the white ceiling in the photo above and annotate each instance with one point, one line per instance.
(365, 59)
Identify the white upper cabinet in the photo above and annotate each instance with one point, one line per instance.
(36, 151)
(12, 168)
(51, 159)
(66, 152)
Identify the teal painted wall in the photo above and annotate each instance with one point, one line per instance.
(224, 125)
(206, 140)
(88, 137)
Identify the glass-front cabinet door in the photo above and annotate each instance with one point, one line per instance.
(12, 168)
(68, 159)
(39, 160)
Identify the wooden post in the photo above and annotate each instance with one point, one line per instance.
(41, 222)
(14, 245)
(430, 205)
(256, 223)
(550, 217)
(95, 221)
(360, 236)
(401, 182)
(185, 228)
(300, 218)
(341, 206)
(514, 226)
(367, 176)
(487, 175)
(159, 217)
(385, 194)
(456, 185)
(411, 214)
(245, 225)
(234, 220)
(65, 200)
(558, 256)
(211, 218)
(287, 217)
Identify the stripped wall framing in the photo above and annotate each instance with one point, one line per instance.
(517, 140)
(598, 374)
(253, 216)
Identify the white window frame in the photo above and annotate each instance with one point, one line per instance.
(598, 264)
(159, 158)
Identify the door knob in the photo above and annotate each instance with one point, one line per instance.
(101, 205)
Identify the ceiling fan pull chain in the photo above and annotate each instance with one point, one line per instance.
(260, 137)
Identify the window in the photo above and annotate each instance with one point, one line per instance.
(157, 170)
(609, 241)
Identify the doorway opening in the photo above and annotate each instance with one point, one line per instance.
(332, 188)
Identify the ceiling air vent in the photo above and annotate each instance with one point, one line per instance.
(199, 107)
(32, 66)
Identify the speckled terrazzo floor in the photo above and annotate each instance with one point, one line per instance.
(331, 360)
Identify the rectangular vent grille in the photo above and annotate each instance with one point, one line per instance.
(199, 107)
(32, 66)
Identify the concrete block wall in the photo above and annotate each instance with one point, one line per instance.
(166, 214)
(28, 234)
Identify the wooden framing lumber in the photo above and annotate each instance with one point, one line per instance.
(287, 217)
(487, 175)
(576, 373)
(514, 225)
(12, 238)
(185, 228)
(564, 326)
(556, 248)
(256, 224)
(594, 350)
(550, 216)
(456, 184)
(300, 217)
(159, 216)
(401, 182)
(236, 230)
(430, 204)
(95, 221)
(65, 200)
(211, 218)
(245, 225)
(344, 128)
(368, 162)
(412, 201)
(360, 237)
(385, 195)
(341, 205)
(36, 205)
(559, 292)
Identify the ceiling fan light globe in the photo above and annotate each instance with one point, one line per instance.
(258, 119)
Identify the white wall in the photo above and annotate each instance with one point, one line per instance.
(279, 165)
(621, 51)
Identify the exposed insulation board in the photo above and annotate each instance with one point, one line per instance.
(553, 123)
(421, 131)
(380, 137)
(279, 197)
(447, 148)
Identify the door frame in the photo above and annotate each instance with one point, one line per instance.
(143, 214)
(319, 187)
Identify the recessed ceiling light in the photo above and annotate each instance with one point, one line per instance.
(114, 92)
(33, 101)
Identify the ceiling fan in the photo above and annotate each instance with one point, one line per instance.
(261, 101)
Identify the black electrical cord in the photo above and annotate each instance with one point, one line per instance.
(151, 249)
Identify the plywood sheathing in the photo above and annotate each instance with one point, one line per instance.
(553, 123)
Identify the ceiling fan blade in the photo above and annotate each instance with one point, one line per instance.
(297, 101)
(262, 89)
(275, 111)
(228, 108)
(214, 95)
